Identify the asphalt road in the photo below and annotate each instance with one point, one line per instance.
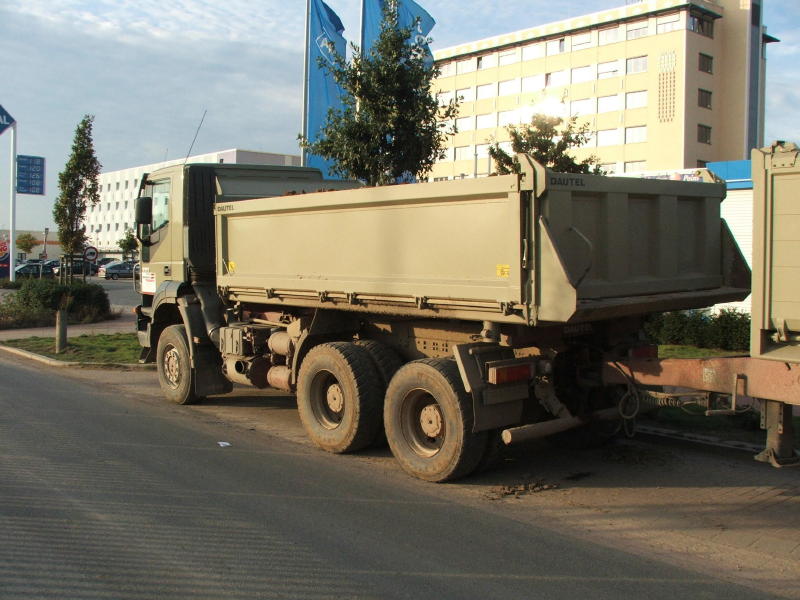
(120, 292)
(107, 495)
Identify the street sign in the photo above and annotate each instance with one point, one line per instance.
(90, 253)
(30, 175)
(6, 120)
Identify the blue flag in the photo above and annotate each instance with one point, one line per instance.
(407, 13)
(325, 39)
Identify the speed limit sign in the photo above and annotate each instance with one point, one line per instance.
(90, 254)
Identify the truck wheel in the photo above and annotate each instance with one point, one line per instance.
(339, 397)
(175, 373)
(387, 362)
(428, 420)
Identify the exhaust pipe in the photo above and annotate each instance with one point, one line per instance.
(536, 431)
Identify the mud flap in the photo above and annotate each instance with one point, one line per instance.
(206, 359)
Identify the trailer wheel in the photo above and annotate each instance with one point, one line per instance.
(175, 375)
(339, 397)
(428, 420)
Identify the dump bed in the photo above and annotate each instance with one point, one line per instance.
(776, 253)
(527, 249)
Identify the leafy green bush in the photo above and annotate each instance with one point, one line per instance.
(35, 303)
(7, 284)
(726, 330)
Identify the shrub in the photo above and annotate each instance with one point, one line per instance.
(37, 300)
(726, 330)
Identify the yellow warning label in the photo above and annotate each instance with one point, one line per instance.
(504, 271)
(231, 267)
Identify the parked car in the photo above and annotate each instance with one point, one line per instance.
(106, 260)
(79, 267)
(33, 271)
(116, 270)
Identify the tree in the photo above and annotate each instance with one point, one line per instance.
(78, 188)
(26, 242)
(548, 140)
(392, 125)
(128, 244)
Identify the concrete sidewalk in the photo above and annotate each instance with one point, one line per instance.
(124, 323)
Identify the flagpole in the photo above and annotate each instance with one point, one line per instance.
(303, 152)
(12, 203)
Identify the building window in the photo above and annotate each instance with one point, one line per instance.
(556, 78)
(488, 90)
(580, 74)
(463, 152)
(609, 168)
(509, 87)
(487, 121)
(608, 137)
(668, 23)
(466, 94)
(482, 150)
(117, 187)
(608, 103)
(126, 184)
(581, 41)
(534, 83)
(637, 64)
(636, 99)
(487, 61)
(444, 98)
(608, 36)
(701, 24)
(532, 51)
(465, 66)
(507, 58)
(126, 205)
(447, 69)
(108, 205)
(464, 124)
(704, 134)
(704, 98)
(606, 70)
(635, 166)
(585, 106)
(135, 183)
(706, 63)
(108, 226)
(636, 30)
(635, 135)
(116, 226)
(558, 46)
(507, 117)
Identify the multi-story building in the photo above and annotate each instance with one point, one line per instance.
(662, 84)
(108, 220)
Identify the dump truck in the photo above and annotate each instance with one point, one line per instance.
(445, 318)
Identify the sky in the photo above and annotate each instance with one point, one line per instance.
(147, 70)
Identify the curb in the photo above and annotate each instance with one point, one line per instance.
(52, 362)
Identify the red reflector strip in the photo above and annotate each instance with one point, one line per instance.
(512, 373)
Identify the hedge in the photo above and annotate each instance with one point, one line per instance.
(726, 330)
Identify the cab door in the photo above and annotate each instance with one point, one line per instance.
(157, 260)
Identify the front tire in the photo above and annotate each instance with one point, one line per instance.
(428, 420)
(339, 397)
(175, 374)
(114, 276)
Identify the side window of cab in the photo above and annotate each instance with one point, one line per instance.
(160, 194)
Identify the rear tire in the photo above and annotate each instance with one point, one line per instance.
(428, 420)
(387, 362)
(339, 397)
(175, 373)
(114, 276)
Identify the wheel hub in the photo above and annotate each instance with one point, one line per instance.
(172, 367)
(430, 420)
(334, 398)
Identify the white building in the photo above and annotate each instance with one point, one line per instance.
(108, 220)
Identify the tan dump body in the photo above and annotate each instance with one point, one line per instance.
(776, 253)
(533, 248)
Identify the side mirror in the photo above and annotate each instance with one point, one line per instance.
(144, 210)
(144, 218)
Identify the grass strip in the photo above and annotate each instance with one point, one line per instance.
(122, 348)
(675, 351)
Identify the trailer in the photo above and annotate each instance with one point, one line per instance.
(442, 317)
(770, 376)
